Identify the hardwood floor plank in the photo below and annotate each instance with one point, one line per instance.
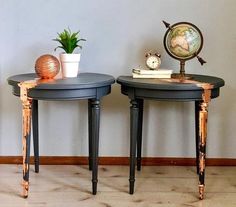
(68, 186)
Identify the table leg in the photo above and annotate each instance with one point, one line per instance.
(35, 134)
(134, 111)
(197, 108)
(27, 104)
(90, 133)
(203, 114)
(139, 138)
(95, 115)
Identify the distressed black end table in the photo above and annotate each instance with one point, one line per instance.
(90, 86)
(201, 89)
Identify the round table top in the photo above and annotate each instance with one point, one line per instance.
(85, 86)
(84, 80)
(167, 84)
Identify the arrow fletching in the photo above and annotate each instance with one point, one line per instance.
(201, 60)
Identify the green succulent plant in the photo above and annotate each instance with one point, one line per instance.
(68, 40)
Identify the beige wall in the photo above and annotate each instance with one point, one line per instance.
(118, 34)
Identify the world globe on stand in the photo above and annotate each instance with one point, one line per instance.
(183, 41)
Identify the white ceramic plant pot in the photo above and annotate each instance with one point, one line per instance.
(70, 65)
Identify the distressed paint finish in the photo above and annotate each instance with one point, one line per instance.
(200, 89)
(202, 125)
(26, 117)
(203, 115)
(201, 191)
(92, 86)
(25, 185)
(201, 162)
(205, 86)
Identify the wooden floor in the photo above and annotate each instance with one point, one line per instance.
(70, 186)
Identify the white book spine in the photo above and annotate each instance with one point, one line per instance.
(135, 75)
(152, 72)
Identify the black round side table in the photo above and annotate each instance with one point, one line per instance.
(90, 86)
(200, 90)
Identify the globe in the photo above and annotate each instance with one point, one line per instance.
(183, 41)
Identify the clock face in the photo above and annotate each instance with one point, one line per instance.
(153, 62)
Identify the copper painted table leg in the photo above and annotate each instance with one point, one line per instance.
(203, 114)
(26, 144)
(26, 118)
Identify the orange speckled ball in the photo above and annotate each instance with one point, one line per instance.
(47, 66)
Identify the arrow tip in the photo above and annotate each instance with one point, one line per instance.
(166, 24)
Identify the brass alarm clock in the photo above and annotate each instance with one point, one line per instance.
(153, 60)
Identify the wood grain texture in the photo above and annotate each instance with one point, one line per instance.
(146, 161)
(165, 186)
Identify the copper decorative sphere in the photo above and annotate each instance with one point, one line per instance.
(47, 66)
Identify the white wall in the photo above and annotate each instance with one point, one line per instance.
(118, 34)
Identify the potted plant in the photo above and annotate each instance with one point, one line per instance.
(69, 61)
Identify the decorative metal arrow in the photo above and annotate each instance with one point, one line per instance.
(201, 60)
(166, 24)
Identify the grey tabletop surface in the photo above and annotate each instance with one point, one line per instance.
(84, 80)
(165, 84)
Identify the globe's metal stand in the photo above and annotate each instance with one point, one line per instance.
(181, 75)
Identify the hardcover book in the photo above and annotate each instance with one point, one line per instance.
(152, 72)
(136, 75)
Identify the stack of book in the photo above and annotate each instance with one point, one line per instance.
(144, 73)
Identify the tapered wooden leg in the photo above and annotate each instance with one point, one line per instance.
(203, 115)
(139, 138)
(133, 140)
(26, 144)
(95, 104)
(35, 134)
(26, 118)
(197, 108)
(90, 134)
